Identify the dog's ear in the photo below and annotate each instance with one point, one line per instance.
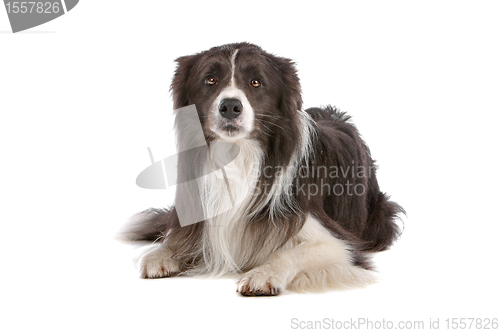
(291, 98)
(180, 81)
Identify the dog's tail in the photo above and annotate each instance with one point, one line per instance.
(381, 230)
(149, 225)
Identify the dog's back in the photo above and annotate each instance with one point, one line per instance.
(350, 191)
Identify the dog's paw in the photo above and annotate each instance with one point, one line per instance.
(260, 281)
(158, 263)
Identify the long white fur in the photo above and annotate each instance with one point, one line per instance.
(222, 233)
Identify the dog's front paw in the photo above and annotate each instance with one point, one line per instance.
(158, 263)
(260, 281)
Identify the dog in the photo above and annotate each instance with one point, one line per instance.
(299, 208)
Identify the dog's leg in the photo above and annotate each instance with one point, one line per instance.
(319, 261)
(157, 262)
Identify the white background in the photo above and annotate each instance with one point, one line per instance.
(83, 96)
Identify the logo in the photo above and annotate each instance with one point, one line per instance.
(193, 155)
(24, 15)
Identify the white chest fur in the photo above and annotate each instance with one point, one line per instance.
(226, 202)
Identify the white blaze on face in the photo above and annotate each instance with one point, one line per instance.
(246, 118)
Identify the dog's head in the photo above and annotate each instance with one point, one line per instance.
(240, 91)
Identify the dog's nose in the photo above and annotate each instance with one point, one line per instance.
(230, 108)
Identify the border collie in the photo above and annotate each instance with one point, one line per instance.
(309, 209)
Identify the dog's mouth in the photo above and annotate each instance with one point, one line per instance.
(232, 129)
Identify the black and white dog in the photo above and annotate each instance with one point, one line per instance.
(310, 208)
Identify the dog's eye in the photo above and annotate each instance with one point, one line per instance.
(211, 81)
(255, 83)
